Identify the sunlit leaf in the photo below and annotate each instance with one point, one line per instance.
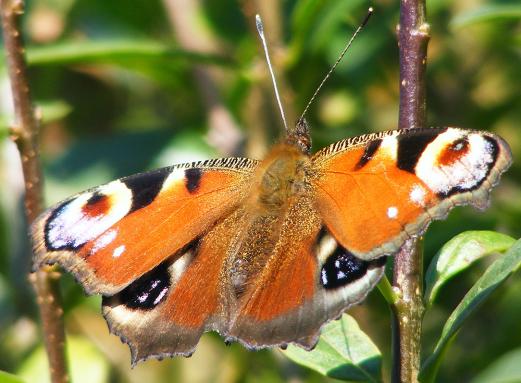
(505, 369)
(460, 253)
(491, 12)
(113, 50)
(344, 352)
(10, 378)
(501, 269)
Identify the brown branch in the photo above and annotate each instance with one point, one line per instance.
(407, 312)
(413, 37)
(223, 134)
(24, 133)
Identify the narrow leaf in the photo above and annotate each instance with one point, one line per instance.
(343, 352)
(492, 12)
(460, 253)
(111, 51)
(489, 281)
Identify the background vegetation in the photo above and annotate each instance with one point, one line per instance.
(127, 86)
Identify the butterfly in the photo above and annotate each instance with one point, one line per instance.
(262, 252)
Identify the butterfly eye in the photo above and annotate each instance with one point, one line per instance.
(148, 291)
(342, 268)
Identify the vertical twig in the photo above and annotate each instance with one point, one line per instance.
(24, 133)
(413, 37)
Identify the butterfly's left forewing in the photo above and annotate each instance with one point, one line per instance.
(376, 191)
(111, 235)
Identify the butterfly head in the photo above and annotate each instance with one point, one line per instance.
(300, 136)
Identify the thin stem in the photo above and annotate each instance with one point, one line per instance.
(407, 312)
(385, 288)
(25, 133)
(413, 37)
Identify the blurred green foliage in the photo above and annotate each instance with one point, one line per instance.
(117, 95)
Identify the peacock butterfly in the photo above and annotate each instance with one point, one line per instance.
(263, 252)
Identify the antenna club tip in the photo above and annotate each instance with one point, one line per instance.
(258, 22)
(370, 10)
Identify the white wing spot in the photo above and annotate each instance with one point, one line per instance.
(417, 195)
(392, 212)
(104, 240)
(177, 176)
(389, 147)
(324, 277)
(160, 296)
(118, 251)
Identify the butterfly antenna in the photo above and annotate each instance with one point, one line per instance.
(260, 30)
(362, 25)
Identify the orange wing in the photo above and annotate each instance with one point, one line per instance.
(113, 234)
(376, 191)
(264, 281)
(165, 312)
(307, 280)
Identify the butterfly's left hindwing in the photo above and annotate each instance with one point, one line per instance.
(113, 234)
(376, 191)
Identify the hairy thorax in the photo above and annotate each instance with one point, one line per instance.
(283, 179)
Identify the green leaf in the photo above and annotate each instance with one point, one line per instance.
(10, 378)
(113, 51)
(53, 110)
(460, 253)
(505, 369)
(489, 281)
(343, 352)
(493, 12)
